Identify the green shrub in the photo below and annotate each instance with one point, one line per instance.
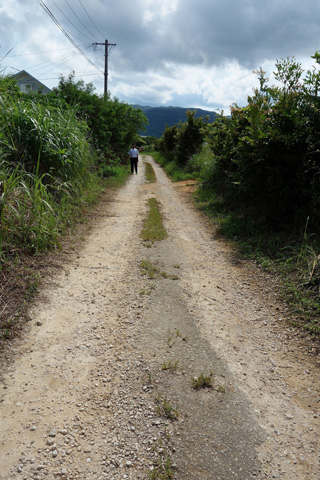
(44, 139)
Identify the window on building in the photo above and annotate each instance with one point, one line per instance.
(26, 87)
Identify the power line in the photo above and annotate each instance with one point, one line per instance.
(39, 53)
(7, 54)
(78, 75)
(53, 18)
(65, 16)
(69, 56)
(102, 36)
(64, 59)
(79, 19)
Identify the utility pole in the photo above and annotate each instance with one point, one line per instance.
(107, 49)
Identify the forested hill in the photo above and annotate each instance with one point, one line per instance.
(160, 117)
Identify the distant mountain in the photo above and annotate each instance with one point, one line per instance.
(160, 117)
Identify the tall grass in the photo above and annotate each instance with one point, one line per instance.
(28, 219)
(45, 172)
(49, 175)
(43, 138)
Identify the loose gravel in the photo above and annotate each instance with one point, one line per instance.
(101, 384)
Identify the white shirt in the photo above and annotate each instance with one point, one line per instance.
(133, 152)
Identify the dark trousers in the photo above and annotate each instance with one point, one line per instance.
(134, 164)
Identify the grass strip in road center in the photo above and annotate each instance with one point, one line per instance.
(150, 173)
(153, 228)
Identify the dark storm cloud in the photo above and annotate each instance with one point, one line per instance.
(167, 50)
(211, 32)
(195, 32)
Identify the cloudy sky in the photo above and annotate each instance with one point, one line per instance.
(189, 53)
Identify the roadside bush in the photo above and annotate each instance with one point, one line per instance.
(43, 138)
(266, 157)
(261, 184)
(113, 125)
(189, 139)
(180, 142)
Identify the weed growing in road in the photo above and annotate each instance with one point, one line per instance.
(170, 365)
(150, 270)
(165, 409)
(202, 381)
(150, 173)
(170, 340)
(162, 470)
(147, 291)
(221, 389)
(153, 228)
(174, 277)
(179, 334)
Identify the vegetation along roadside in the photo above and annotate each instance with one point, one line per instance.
(258, 173)
(59, 153)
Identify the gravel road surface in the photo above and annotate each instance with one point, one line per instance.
(100, 387)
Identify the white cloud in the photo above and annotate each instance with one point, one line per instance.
(199, 51)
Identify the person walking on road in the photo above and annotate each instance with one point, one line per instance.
(134, 154)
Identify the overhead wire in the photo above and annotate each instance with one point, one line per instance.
(53, 18)
(102, 36)
(7, 54)
(59, 64)
(80, 75)
(79, 19)
(63, 58)
(58, 60)
(68, 19)
(39, 53)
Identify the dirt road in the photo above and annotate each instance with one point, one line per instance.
(101, 386)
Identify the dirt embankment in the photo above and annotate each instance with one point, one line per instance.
(100, 387)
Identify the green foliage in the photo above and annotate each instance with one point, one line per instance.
(261, 182)
(202, 381)
(162, 470)
(153, 228)
(43, 138)
(179, 143)
(266, 157)
(113, 125)
(173, 170)
(170, 365)
(27, 217)
(168, 142)
(190, 139)
(48, 169)
(165, 409)
(150, 173)
(292, 256)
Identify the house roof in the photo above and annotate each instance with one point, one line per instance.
(24, 77)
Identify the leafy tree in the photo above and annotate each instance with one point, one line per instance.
(113, 125)
(179, 142)
(190, 138)
(168, 142)
(267, 156)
